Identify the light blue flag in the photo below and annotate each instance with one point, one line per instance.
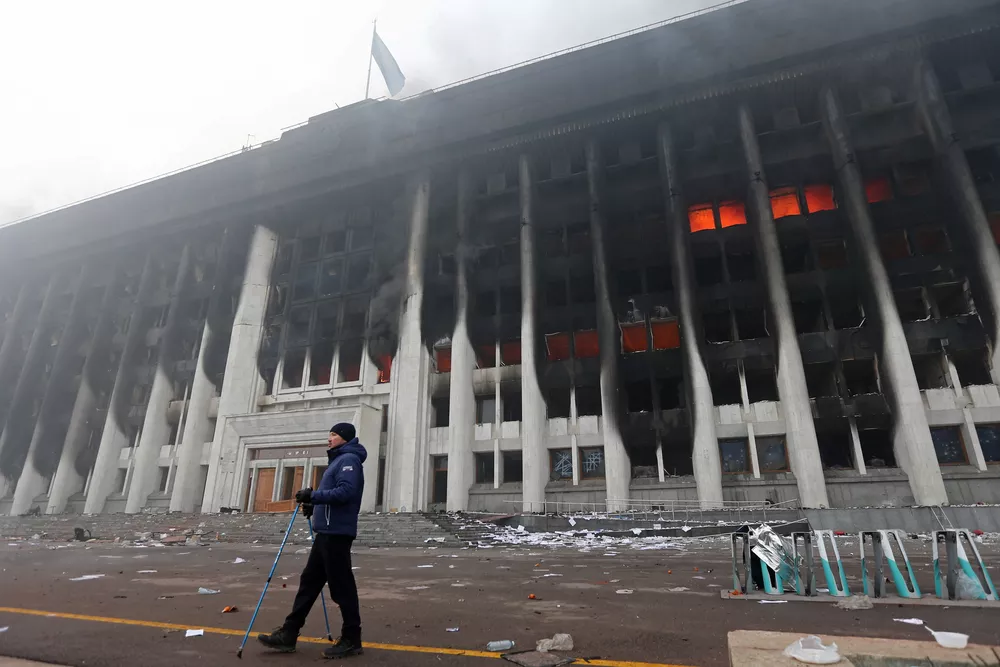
(393, 76)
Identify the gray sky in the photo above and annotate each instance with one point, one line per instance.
(96, 95)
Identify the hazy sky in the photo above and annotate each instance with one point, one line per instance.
(96, 95)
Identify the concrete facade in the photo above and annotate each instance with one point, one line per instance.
(592, 280)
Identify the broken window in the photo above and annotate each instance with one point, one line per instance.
(972, 367)
(513, 470)
(592, 462)
(557, 402)
(718, 327)
(560, 464)
(751, 323)
(510, 401)
(948, 445)
(666, 334)
(785, 202)
(550, 243)
(735, 455)
(555, 293)
(911, 304)
(893, 245)
(835, 448)
(741, 265)
(658, 279)
(486, 407)
(930, 371)
(585, 344)
(819, 198)
(442, 359)
(486, 304)
(989, 441)
(588, 401)
(878, 189)
(930, 241)
(795, 257)
(510, 353)
(292, 373)
(582, 288)
(358, 271)
(821, 379)
(771, 454)
(298, 326)
(362, 237)
(629, 282)
(349, 363)
(355, 314)
(639, 396)
(708, 270)
(510, 300)
(670, 391)
(335, 241)
(876, 448)
(309, 248)
(725, 386)
(951, 299)
(486, 356)
(831, 254)
(912, 179)
(732, 213)
(761, 384)
(701, 217)
(845, 311)
(441, 407)
(484, 467)
(808, 316)
(634, 338)
(320, 363)
(860, 376)
(283, 262)
(578, 239)
(331, 276)
(304, 286)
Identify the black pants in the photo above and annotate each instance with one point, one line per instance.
(329, 562)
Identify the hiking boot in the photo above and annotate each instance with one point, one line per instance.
(344, 648)
(281, 639)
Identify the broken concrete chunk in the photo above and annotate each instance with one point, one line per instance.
(559, 642)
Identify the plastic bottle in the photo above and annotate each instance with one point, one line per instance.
(501, 645)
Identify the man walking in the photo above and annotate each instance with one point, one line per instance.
(336, 503)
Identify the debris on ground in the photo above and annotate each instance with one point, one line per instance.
(625, 591)
(949, 639)
(773, 601)
(910, 621)
(559, 642)
(165, 597)
(811, 650)
(238, 561)
(5, 628)
(536, 659)
(500, 645)
(87, 577)
(678, 589)
(855, 603)
(451, 629)
(207, 591)
(146, 572)
(231, 609)
(194, 633)
(417, 588)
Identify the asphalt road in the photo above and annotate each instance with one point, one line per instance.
(483, 592)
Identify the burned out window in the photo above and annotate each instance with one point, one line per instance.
(486, 303)
(582, 288)
(930, 241)
(751, 323)
(510, 300)
(972, 367)
(821, 379)
(588, 401)
(771, 454)
(795, 257)
(835, 448)
(560, 464)
(950, 299)
(725, 386)
(292, 373)
(893, 245)
(741, 265)
(349, 363)
(949, 445)
(441, 407)
(331, 276)
(629, 282)
(708, 270)
(327, 319)
(718, 327)
(304, 286)
(639, 396)
(671, 391)
(484, 467)
(658, 279)
(320, 363)
(808, 315)
(860, 376)
(298, 326)
(557, 402)
(761, 384)
(358, 272)
(510, 402)
(930, 370)
(846, 312)
(335, 241)
(911, 304)
(876, 448)
(555, 293)
(735, 455)
(513, 470)
(831, 254)
(486, 407)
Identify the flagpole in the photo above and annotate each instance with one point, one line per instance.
(371, 49)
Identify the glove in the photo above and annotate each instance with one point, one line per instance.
(307, 510)
(303, 496)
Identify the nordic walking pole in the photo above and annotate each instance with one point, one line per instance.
(322, 598)
(239, 653)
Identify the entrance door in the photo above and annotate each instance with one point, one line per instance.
(440, 487)
(265, 489)
(318, 475)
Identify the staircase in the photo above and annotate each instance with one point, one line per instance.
(470, 529)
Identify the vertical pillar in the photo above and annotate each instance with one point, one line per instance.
(618, 469)
(34, 478)
(462, 397)
(409, 396)
(68, 479)
(155, 426)
(9, 354)
(911, 434)
(533, 412)
(803, 449)
(114, 435)
(705, 455)
(241, 384)
(17, 430)
(936, 121)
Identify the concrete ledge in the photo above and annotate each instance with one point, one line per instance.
(759, 649)
(925, 601)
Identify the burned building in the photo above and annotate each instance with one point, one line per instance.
(750, 255)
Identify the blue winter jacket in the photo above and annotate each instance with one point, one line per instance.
(338, 498)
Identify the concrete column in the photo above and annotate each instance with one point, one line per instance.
(114, 436)
(534, 421)
(461, 397)
(155, 426)
(17, 431)
(803, 449)
(617, 467)
(241, 385)
(409, 395)
(9, 354)
(936, 121)
(705, 457)
(911, 435)
(35, 474)
(68, 478)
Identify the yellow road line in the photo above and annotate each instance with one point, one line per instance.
(404, 648)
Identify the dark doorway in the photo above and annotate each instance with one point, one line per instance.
(440, 491)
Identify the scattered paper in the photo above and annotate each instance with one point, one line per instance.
(910, 621)
(551, 575)
(417, 588)
(679, 589)
(657, 526)
(559, 642)
(147, 572)
(625, 591)
(697, 577)
(425, 566)
(520, 529)
(5, 628)
(637, 531)
(439, 540)
(685, 528)
(206, 591)
(572, 521)
(194, 633)
(451, 629)
(238, 561)
(87, 577)
(773, 601)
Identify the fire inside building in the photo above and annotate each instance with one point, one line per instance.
(751, 255)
